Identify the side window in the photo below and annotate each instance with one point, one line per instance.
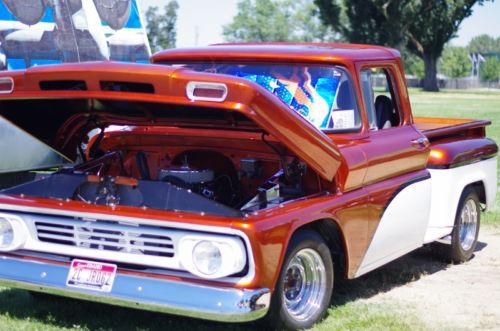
(344, 113)
(379, 98)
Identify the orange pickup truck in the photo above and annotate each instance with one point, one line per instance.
(230, 182)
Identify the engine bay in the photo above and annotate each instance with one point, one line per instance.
(200, 173)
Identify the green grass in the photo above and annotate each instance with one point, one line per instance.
(20, 311)
(360, 316)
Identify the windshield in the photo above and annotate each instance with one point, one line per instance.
(320, 94)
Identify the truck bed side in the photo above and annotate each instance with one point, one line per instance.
(438, 128)
(455, 142)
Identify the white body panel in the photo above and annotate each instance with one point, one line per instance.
(425, 211)
(402, 227)
(447, 186)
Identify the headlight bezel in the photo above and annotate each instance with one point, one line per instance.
(6, 230)
(232, 250)
(18, 232)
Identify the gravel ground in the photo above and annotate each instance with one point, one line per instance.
(444, 296)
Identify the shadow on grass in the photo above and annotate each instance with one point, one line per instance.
(402, 271)
(69, 313)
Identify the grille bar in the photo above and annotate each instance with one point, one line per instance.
(107, 236)
(53, 236)
(44, 231)
(48, 228)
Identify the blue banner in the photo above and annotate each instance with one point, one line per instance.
(37, 32)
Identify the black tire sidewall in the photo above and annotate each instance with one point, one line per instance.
(278, 315)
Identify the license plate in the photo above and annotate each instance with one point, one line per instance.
(91, 275)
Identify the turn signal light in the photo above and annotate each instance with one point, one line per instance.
(202, 91)
(6, 85)
(437, 154)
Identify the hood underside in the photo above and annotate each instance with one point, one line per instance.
(21, 151)
(56, 103)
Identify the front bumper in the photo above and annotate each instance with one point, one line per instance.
(168, 296)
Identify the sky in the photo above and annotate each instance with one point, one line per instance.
(200, 22)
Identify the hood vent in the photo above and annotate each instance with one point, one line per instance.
(63, 85)
(132, 87)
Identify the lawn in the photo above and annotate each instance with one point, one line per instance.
(20, 311)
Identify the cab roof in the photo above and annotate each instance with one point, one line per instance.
(281, 52)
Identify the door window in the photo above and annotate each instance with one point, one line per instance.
(379, 97)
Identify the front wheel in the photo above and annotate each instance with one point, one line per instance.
(304, 289)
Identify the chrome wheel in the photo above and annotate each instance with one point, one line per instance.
(468, 224)
(465, 229)
(304, 284)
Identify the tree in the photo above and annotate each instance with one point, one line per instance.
(307, 24)
(413, 64)
(361, 21)
(455, 62)
(424, 26)
(484, 44)
(490, 70)
(282, 20)
(262, 21)
(161, 27)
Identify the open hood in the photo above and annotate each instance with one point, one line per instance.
(51, 102)
(22, 152)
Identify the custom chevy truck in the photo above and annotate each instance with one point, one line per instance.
(229, 182)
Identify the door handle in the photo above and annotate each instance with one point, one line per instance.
(420, 143)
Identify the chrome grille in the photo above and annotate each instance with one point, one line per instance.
(106, 236)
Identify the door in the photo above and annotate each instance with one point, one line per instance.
(396, 179)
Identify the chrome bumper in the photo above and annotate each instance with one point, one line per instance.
(173, 297)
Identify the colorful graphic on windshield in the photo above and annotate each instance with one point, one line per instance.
(320, 94)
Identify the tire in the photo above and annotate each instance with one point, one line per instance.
(466, 228)
(295, 303)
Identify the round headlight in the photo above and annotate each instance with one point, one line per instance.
(6, 233)
(207, 257)
(211, 256)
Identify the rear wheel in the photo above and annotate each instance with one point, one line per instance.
(465, 230)
(305, 284)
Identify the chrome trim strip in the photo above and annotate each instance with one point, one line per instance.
(160, 295)
(7, 80)
(176, 225)
(404, 185)
(192, 86)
